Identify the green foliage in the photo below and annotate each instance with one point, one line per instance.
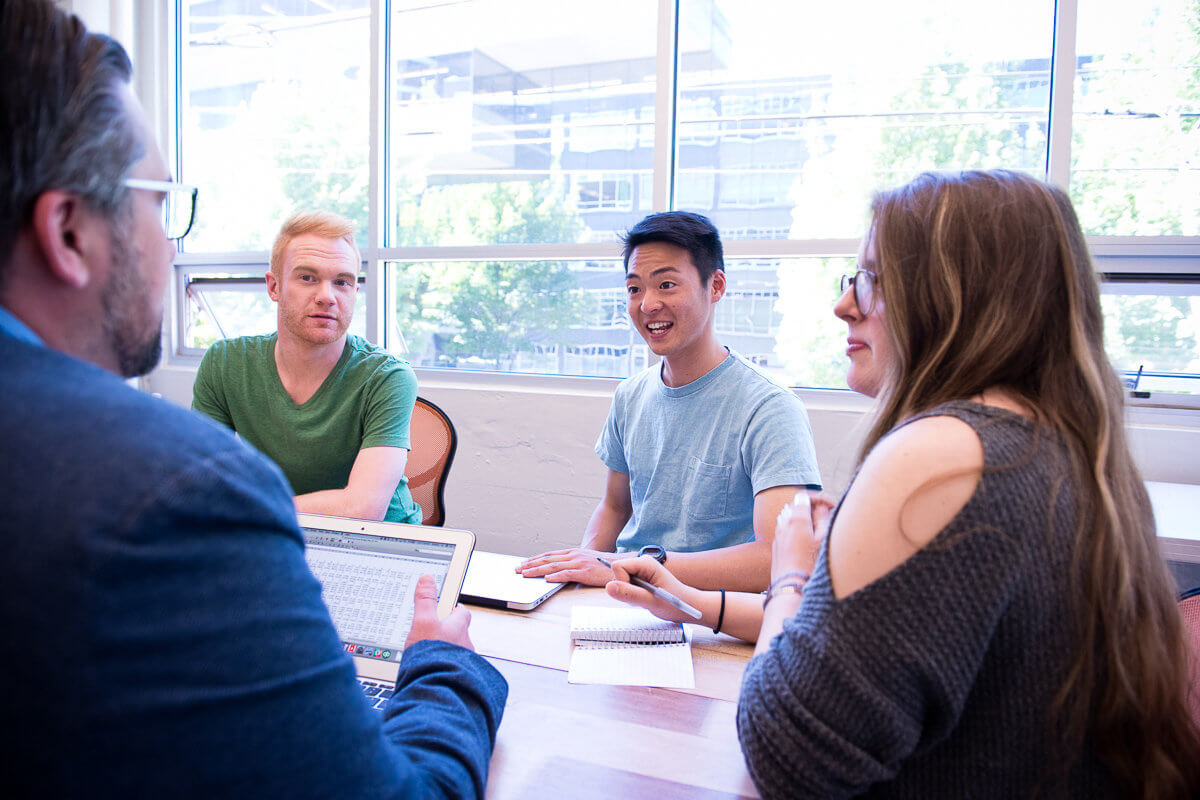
(1117, 142)
(316, 176)
(500, 308)
(486, 311)
(509, 212)
(1192, 124)
(1108, 201)
(290, 156)
(810, 345)
(1149, 331)
(966, 140)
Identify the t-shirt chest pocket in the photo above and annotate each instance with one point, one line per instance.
(707, 489)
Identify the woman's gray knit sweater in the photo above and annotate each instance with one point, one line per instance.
(936, 679)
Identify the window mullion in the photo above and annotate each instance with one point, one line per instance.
(665, 93)
(376, 326)
(1062, 93)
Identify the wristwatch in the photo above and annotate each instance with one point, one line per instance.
(656, 551)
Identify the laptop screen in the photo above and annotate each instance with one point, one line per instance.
(367, 583)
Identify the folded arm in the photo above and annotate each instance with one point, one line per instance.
(373, 480)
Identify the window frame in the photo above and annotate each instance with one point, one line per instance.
(1127, 259)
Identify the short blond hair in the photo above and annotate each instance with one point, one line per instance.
(325, 224)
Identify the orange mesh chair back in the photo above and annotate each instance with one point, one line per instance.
(1189, 607)
(433, 444)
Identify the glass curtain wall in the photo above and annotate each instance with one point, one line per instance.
(523, 137)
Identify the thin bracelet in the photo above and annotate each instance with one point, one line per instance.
(798, 574)
(721, 614)
(797, 588)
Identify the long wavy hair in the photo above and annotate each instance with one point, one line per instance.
(988, 284)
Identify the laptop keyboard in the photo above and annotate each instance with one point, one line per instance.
(377, 692)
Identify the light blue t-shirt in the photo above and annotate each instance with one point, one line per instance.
(697, 454)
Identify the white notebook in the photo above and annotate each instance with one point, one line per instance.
(629, 647)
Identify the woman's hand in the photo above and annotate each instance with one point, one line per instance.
(655, 573)
(799, 529)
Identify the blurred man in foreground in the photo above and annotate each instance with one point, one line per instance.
(163, 632)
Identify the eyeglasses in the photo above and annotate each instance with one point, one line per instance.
(179, 205)
(864, 282)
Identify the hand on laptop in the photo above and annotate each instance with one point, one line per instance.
(426, 625)
(576, 564)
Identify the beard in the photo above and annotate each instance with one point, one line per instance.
(136, 340)
(293, 320)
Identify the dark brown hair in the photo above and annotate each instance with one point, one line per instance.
(63, 120)
(692, 232)
(988, 283)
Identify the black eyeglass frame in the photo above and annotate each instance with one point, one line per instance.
(174, 188)
(865, 304)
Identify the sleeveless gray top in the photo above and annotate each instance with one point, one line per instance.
(935, 680)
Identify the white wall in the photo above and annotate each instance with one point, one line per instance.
(525, 478)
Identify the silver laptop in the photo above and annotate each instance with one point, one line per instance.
(368, 571)
(492, 580)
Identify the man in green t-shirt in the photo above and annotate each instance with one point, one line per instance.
(331, 410)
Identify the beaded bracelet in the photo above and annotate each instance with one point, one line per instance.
(776, 588)
(799, 574)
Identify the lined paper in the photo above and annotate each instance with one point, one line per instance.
(629, 647)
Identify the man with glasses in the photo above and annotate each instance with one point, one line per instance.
(178, 207)
(163, 634)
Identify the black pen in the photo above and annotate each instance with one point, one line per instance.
(661, 594)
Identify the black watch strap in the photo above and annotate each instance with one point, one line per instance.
(654, 550)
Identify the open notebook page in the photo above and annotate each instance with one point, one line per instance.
(617, 646)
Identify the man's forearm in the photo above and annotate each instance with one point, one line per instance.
(742, 568)
(603, 528)
(445, 714)
(340, 503)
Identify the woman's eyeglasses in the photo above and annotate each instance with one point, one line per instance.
(864, 282)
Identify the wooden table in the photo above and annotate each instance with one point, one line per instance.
(572, 741)
(559, 740)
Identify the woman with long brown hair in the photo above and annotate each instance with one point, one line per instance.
(989, 614)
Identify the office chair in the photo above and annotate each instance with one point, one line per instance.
(434, 442)
(1189, 607)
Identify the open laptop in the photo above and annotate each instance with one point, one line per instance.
(368, 571)
(492, 581)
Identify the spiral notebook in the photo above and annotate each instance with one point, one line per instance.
(628, 647)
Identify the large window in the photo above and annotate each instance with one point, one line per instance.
(492, 152)
(1135, 149)
(274, 114)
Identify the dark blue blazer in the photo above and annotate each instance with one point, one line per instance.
(160, 632)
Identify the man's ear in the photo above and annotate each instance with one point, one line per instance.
(716, 284)
(69, 235)
(272, 286)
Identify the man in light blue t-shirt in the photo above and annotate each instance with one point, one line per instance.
(702, 451)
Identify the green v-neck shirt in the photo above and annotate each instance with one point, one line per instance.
(365, 401)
